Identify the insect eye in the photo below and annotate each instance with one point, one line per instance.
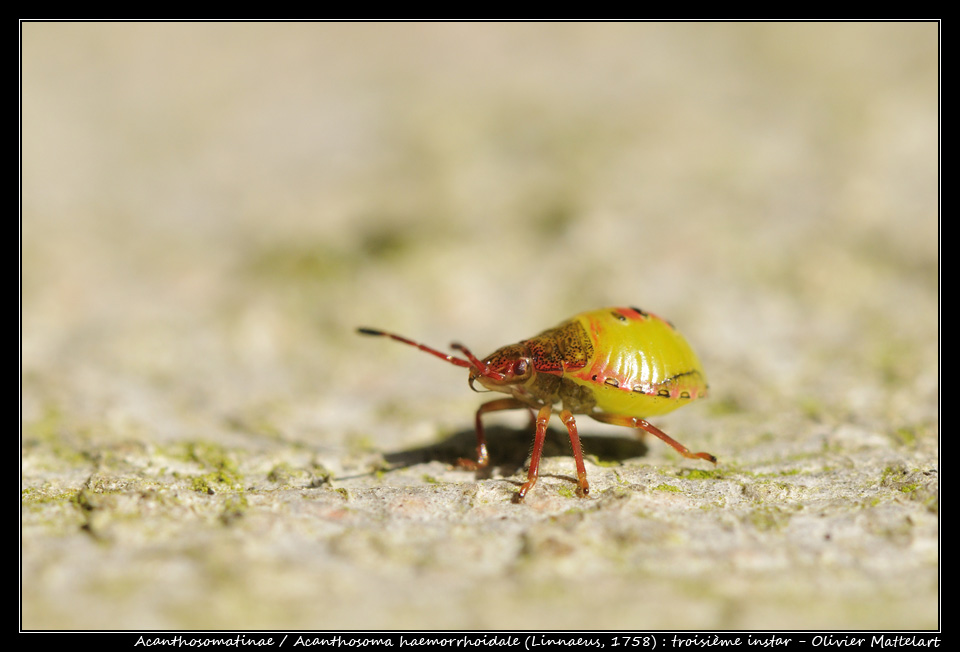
(520, 368)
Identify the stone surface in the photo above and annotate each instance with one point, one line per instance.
(210, 210)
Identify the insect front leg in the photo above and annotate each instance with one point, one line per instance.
(637, 422)
(483, 458)
(543, 418)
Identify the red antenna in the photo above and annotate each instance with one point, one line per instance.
(472, 361)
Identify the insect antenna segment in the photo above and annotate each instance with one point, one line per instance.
(482, 367)
(471, 363)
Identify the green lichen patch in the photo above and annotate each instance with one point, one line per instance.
(667, 487)
(919, 485)
(768, 518)
(567, 492)
(284, 474)
(701, 474)
(235, 507)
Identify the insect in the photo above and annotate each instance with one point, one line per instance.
(616, 365)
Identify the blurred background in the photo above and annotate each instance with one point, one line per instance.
(209, 210)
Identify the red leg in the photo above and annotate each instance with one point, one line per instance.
(482, 457)
(583, 488)
(637, 422)
(543, 418)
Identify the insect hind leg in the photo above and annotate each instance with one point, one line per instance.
(643, 424)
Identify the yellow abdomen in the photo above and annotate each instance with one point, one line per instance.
(641, 365)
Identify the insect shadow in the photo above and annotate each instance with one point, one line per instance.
(509, 450)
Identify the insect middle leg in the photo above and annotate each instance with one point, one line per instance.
(637, 422)
(543, 418)
(483, 458)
